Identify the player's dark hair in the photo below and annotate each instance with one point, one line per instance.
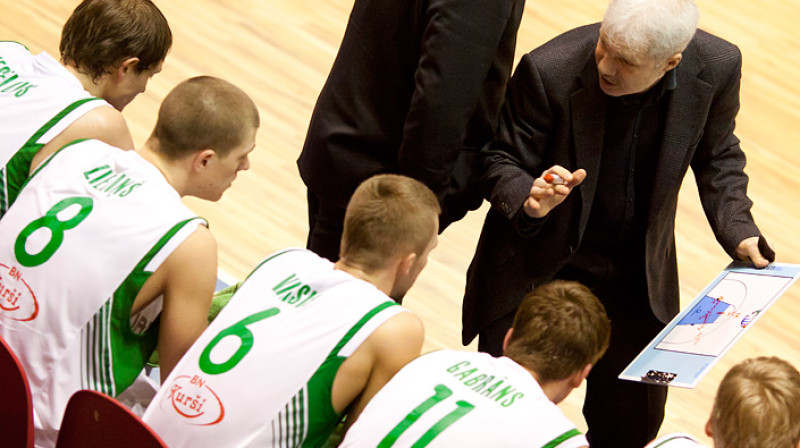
(101, 34)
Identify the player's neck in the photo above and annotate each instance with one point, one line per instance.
(380, 278)
(556, 391)
(90, 85)
(171, 173)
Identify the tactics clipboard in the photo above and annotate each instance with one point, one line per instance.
(689, 346)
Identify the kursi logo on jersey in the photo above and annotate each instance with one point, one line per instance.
(194, 400)
(17, 300)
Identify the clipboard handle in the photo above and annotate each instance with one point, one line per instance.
(658, 377)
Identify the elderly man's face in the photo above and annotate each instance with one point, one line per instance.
(622, 73)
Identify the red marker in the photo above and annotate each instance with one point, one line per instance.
(553, 179)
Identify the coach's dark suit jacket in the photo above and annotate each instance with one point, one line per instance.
(555, 114)
(416, 85)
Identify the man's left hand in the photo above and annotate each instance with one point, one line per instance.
(757, 250)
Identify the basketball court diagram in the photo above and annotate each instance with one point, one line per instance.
(718, 318)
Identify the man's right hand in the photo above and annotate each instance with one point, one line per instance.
(546, 195)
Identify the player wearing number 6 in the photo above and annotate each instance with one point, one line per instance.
(100, 262)
(464, 399)
(304, 341)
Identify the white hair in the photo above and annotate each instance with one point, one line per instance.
(656, 29)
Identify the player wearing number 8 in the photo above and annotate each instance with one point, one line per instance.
(102, 261)
(451, 398)
(304, 341)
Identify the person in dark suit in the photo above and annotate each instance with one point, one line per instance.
(618, 112)
(415, 89)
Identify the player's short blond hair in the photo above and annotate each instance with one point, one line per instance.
(758, 406)
(560, 327)
(388, 214)
(204, 112)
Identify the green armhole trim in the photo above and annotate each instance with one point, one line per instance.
(562, 438)
(322, 418)
(355, 329)
(19, 165)
(137, 349)
(664, 442)
(15, 42)
(272, 257)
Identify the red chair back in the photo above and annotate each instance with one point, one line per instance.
(16, 420)
(95, 420)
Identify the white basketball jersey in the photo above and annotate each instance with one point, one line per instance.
(92, 224)
(39, 98)
(261, 374)
(462, 399)
(676, 440)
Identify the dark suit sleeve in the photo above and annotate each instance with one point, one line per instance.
(523, 132)
(459, 45)
(719, 162)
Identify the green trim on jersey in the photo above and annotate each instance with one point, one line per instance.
(322, 418)
(308, 419)
(562, 438)
(270, 258)
(15, 173)
(118, 354)
(95, 374)
(15, 42)
(4, 180)
(673, 438)
(47, 160)
(360, 324)
(290, 426)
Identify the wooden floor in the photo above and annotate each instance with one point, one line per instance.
(279, 51)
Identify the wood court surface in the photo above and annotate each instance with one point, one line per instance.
(279, 51)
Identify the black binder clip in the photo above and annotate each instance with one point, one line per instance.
(657, 377)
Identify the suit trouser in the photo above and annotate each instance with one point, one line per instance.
(619, 413)
(325, 226)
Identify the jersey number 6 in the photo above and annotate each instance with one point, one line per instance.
(239, 330)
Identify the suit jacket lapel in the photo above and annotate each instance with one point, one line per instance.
(588, 107)
(686, 111)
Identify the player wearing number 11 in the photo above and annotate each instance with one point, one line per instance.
(100, 262)
(465, 399)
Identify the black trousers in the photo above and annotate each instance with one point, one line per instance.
(325, 226)
(619, 413)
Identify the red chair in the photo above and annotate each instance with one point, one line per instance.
(94, 420)
(16, 409)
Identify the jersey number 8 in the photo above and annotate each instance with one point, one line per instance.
(57, 227)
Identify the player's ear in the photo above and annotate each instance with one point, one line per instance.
(507, 338)
(580, 375)
(202, 158)
(407, 262)
(125, 67)
(585, 372)
(710, 430)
